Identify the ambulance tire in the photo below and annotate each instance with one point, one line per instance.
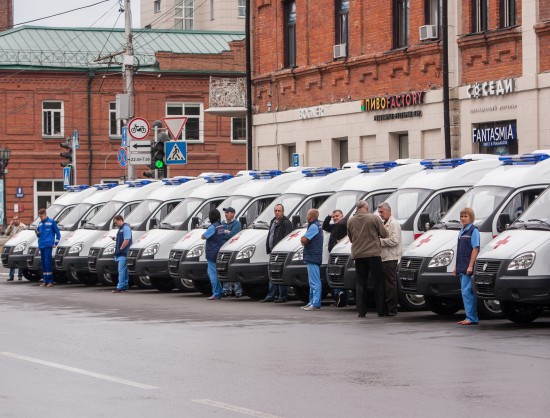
(203, 286)
(521, 313)
(31, 276)
(443, 306)
(162, 284)
(255, 291)
(184, 285)
(108, 279)
(409, 303)
(143, 282)
(61, 278)
(489, 309)
(87, 279)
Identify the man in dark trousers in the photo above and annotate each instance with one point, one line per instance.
(123, 242)
(338, 230)
(48, 238)
(279, 228)
(364, 231)
(231, 228)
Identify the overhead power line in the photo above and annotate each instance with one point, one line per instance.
(61, 13)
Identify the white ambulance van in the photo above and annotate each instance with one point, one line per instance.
(14, 254)
(71, 255)
(423, 199)
(187, 260)
(244, 258)
(374, 184)
(147, 215)
(148, 256)
(513, 268)
(501, 196)
(81, 214)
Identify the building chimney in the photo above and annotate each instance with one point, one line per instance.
(6, 15)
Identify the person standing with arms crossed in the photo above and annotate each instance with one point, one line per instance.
(364, 232)
(391, 253)
(466, 254)
(313, 257)
(123, 242)
(48, 238)
(338, 230)
(214, 241)
(231, 228)
(15, 226)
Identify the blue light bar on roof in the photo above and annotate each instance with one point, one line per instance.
(447, 162)
(265, 174)
(138, 183)
(77, 188)
(177, 180)
(522, 159)
(218, 178)
(320, 171)
(105, 186)
(378, 166)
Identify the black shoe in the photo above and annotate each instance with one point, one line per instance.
(267, 300)
(20, 278)
(280, 300)
(361, 315)
(341, 302)
(120, 290)
(10, 279)
(391, 314)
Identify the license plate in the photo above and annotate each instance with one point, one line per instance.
(221, 266)
(275, 267)
(407, 275)
(335, 270)
(484, 279)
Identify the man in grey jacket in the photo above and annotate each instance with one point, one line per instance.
(364, 231)
(391, 253)
(15, 226)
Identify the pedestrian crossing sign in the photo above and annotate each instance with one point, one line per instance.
(176, 152)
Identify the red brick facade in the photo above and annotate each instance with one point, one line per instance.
(36, 157)
(6, 14)
(543, 33)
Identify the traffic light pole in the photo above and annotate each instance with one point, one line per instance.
(129, 68)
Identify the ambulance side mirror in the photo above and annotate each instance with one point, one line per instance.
(424, 222)
(153, 223)
(504, 222)
(82, 222)
(296, 222)
(242, 221)
(195, 222)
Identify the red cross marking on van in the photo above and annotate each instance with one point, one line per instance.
(424, 241)
(502, 242)
(293, 235)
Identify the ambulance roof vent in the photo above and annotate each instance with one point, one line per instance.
(77, 188)
(319, 171)
(220, 178)
(377, 166)
(265, 174)
(444, 163)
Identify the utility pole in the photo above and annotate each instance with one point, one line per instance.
(129, 68)
(445, 68)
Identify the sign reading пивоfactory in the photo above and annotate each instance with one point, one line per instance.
(394, 102)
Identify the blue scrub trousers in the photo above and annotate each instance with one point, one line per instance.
(47, 264)
(315, 285)
(122, 272)
(217, 289)
(469, 297)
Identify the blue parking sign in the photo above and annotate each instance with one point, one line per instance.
(66, 177)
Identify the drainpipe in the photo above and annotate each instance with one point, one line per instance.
(248, 86)
(445, 68)
(91, 76)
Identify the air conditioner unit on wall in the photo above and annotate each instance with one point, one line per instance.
(340, 51)
(428, 32)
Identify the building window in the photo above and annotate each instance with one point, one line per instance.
(291, 150)
(238, 130)
(184, 14)
(114, 123)
(193, 129)
(479, 16)
(342, 25)
(400, 23)
(507, 13)
(45, 192)
(290, 33)
(344, 157)
(433, 12)
(156, 6)
(403, 145)
(52, 119)
(242, 8)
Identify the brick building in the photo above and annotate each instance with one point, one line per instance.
(363, 80)
(50, 85)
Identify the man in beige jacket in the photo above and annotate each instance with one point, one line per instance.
(15, 226)
(391, 253)
(364, 231)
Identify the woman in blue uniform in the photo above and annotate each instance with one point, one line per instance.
(48, 238)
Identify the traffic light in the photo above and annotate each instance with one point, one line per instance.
(158, 155)
(67, 154)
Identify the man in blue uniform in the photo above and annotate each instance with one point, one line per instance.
(313, 257)
(123, 242)
(231, 228)
(214, 241)
(48, 238)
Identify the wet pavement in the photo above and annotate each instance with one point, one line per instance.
(75, 351)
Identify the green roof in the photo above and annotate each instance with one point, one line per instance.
(39, 46)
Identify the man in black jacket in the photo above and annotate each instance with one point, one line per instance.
(338, 230)
(279, 228)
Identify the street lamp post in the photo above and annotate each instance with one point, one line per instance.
(5, 154)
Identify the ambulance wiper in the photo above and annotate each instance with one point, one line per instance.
(260, 225)
(541, 222)
(517, 224)
(166, 225)
(452, 221)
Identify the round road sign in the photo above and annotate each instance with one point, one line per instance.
(122, 157)
(138, 128)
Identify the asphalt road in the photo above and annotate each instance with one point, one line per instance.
(73, 351)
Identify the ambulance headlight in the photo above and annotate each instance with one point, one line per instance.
(75, 249)
(522, 262)
(196, 251)
(151, 250)
(298, 255)
(441, 259)
(110, 250)
(246, 253)
(19, 248)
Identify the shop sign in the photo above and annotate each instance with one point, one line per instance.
(495, 134)
(392, 102)
(490, 88)
(312, 112)
(400, 115)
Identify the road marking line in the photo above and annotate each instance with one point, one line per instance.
(79, 371)
(235, 408)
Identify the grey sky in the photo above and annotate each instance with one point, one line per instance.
(25, 10)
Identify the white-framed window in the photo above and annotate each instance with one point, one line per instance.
(238, 130)
(401, 22)
(242, 8)
(52, 118)
(480, 16)
(114, 123)
(193, 130)
(508, 13)
(156, 6)
(45, 193)
(184, 11)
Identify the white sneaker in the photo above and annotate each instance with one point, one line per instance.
(305, 306)
(310, 308)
